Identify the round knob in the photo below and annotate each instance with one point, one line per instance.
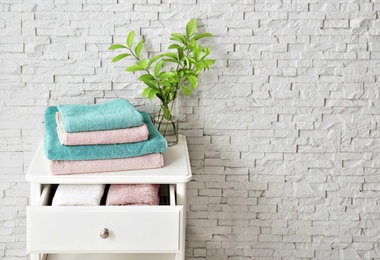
(104, 233)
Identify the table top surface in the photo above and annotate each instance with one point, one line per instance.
(176, 170)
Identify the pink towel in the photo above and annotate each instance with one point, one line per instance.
(133, 194)
(147, 161)
(117, 136)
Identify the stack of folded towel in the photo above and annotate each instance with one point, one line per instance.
(111, 136)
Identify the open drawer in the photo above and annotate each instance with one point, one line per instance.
(117, 229)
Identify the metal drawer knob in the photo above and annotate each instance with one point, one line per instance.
(104, 233)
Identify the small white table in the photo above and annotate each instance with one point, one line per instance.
(135, 232)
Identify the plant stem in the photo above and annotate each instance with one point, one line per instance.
(146, 69)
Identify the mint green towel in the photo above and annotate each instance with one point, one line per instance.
(156, 143)
(114, 114)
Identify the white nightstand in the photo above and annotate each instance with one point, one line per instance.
(135, 232)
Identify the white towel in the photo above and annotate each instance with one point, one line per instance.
(78, 195)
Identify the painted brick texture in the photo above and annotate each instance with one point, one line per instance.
(283, 132)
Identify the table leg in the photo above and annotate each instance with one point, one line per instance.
(34, 256)
(35, 194)
(181, 200)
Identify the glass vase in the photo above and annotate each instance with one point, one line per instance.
(166, 120)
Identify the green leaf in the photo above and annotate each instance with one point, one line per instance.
(180, 54)
(151, 84)
(130, 37)
(202, 35)
(192, 61)
(199, 67)
(196, 52)
(120, 56)
(116, 46)
(134, 68)
(142, 63)
(174, 46)
(149, 80)
(139, 47)
(203, 64)
(187, 61)
(138, 66)
(167, 114)
(186, 90)
(154, 59)
(171, 55)
(157, 68)
(173, 38)
(146, 91)
(207, 52)
(193, 81)
(146, 77)
(152, 93)
(179, 50)
(173, 80)
(191, 44)
(165, 83)
(166, 74)
(160, 97)
(178, 37)
(191, 27)
(208, 63)
(171, 96)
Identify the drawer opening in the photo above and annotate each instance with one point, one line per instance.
(131, 229)
(167, 195)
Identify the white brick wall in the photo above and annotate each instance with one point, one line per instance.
(283, 132)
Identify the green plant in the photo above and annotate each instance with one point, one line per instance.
(167, 73)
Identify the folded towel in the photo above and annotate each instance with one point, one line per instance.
(78, 195)
(156, 143)
(148, 161)
(133, 194)
(117, 136)
(115, 114)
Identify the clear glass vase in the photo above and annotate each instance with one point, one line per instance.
(166, 120)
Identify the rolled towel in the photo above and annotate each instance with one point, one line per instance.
(117, 136)
(54, 150)
(78, 195)
(114, 114)
(148, 161)
(133, 194)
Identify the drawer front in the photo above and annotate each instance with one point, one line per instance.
(77, 229)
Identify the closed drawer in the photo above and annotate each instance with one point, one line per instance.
(77, 229)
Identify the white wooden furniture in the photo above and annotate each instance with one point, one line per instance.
(109, 232)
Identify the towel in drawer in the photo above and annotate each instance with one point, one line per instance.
(78, 195)
(133, 194)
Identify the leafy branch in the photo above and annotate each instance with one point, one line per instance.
(188, 58)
